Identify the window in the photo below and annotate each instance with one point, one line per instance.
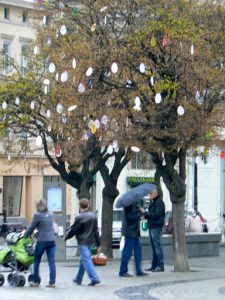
(24, 61)
(142, 160)
(12, 194)
(6, 49)
(25, 16)
(6, 13)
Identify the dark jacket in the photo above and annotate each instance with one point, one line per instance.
(131, 221)
(85, 228)
(43, 222)
(156, 213)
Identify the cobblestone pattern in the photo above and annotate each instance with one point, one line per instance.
(207, 289)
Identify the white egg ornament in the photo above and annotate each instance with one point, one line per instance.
(158, 98)
(114, 68)
(142, 68)
(51, 67)
(63, 30)
(180, 110)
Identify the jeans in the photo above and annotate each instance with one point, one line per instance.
(86, 264)
(157, 259)
(50, 248)
(131, 244)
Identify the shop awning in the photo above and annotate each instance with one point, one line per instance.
(133, 181)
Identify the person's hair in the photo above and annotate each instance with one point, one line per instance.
(84, 203)
(154, 191)
(41, 205)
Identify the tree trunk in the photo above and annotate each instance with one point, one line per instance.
(84, 190)
(107, 222)
(179, 239)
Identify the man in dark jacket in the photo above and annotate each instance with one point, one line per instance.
(86, 231)
(131, 232)
(155, 217)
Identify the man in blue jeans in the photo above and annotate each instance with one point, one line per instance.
(155, 216)
(86, 231)
(131, 232)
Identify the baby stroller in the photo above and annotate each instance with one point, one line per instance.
(17, 256)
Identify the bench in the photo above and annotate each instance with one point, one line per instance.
(198, 245)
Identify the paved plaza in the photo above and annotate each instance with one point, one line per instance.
(206, 281)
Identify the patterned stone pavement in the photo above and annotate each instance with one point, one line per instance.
(206, 281)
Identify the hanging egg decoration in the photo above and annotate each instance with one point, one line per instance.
(81, 88)
(48, 113)
(135, 149)
(165, 41)
(44, 20)
(46, 81)
(57, 76)
(72, 107)
(64, 119)
(152, 80)
(142, 68)
(59, 108)
(93, 27)
(158, 98)
(61, 5)
(180, 110)
(114, 68)
(93, 129)
(46, 90)
(192, 49)
(17, 101)
(97, 124)
(74, 11)
(153, 42)
(137, 101)
(104, 120)
(64, 76)
(4, 105)
(51, 67)
(32, 105)
(104, 8)
(36, 50)
(89, 72)
(74, 63)
(63, 30)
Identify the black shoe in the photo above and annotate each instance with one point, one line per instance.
(93, 283)
(149, 270)
(78, 283)
(158, 269)
(126, 275)
(141, 274)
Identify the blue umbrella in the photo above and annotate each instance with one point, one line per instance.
(135, 194)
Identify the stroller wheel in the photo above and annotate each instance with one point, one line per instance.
(9, 278)
(16, 280)
(2, 279)
(22, 280)
(31, 278)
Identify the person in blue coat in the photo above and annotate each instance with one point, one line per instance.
(43, 221)
(131, 233)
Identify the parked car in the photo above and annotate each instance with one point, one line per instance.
(116, 227)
